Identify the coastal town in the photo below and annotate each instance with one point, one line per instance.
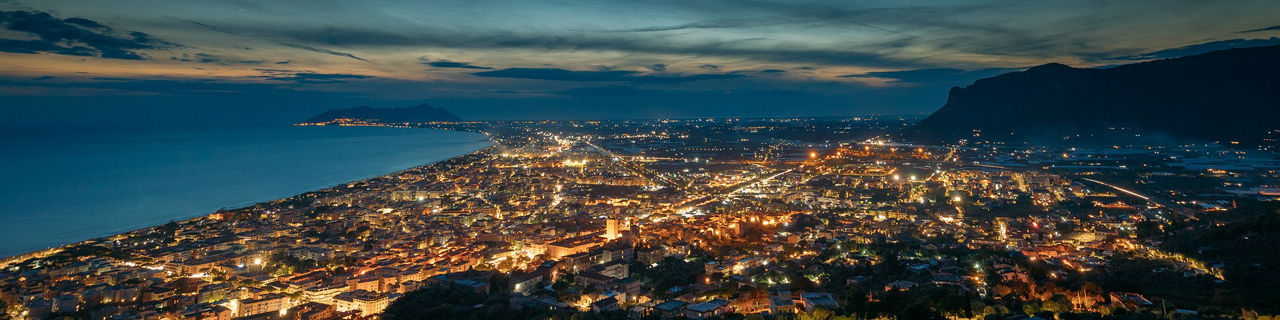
(687, 219)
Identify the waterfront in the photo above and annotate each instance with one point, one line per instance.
(64, 187)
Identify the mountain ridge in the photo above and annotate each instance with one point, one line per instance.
(1226, 96)
(416, 114)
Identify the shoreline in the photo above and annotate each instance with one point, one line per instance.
(5, 261)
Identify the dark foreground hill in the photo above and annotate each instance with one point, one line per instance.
(416, 114)
(1223, 96)
(1243, 242)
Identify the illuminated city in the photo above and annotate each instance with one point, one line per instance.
(639, 160)
(678, 218)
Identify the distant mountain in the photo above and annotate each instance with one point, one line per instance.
(416, 114)
(1224, 96)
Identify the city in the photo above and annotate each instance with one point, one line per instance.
(639, 160)
(697, 219)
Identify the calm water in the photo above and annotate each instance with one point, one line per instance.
(63, 187)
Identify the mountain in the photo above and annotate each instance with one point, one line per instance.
(416, 114)
(1224, 96)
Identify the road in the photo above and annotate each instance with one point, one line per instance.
(1179, 209)
(1176, 208)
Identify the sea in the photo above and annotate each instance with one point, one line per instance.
(64, 186)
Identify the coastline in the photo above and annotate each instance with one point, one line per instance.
(7, 260)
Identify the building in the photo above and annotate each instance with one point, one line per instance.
(706, 309)
(900, 285)
(611, 229)
(323, 294)
(526, 282)
(566, 247)
(814, 300)
(366, 302)
(670, 309)
(312, 311)
(268, 303)
(209, 313)
(781, 303)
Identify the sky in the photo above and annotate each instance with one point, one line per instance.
(214, 63)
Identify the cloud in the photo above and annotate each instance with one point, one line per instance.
(322, 50)
(200, 24)
(84, 23)
(1203, 48)
(1271, 28)
(375, 39)
(73, 36)
(806, 16)
(38, 46)
(939, 76)
(214, 59)
(658, 67)
(555, 74)
(287, 44)
(306, 77)
(874, 36)
(773, 71)
(450, 64)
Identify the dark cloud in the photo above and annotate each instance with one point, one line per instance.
(85, 23)
(73, 36)
(38, 46)
(658, 67)
(201, 24)
(558, 74)
(773, 71)
(1203, 48)
(803, 16)
(451, 64)
(306, 77)
(597, 76)
(939, 76)
(1271, 28)
(214, 59)
(324, 51)
(287, 44)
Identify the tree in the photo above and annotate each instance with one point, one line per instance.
(1059, 303)
(816, 314)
